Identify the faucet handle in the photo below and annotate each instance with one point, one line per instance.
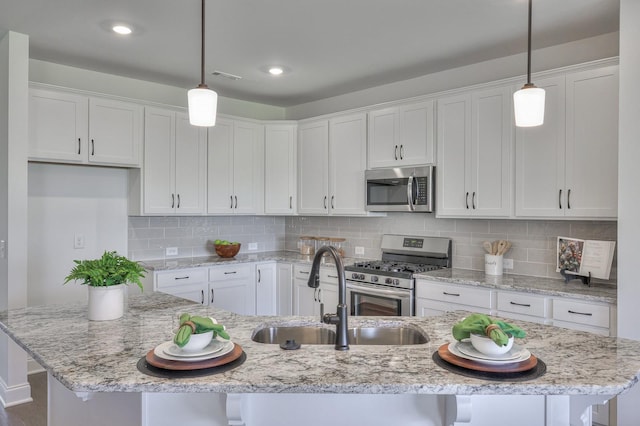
(321, 311)
(330, 319)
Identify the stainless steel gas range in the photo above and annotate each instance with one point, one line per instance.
(386, 287)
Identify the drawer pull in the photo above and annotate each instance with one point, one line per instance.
(588, 314)
(202, 298)
(304, 272)
(230, 273)
(451, 294)
(182, 278)
(332, 276)
(526, 305)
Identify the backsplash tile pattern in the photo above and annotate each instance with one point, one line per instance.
(533, 250)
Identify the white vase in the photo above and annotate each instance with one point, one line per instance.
(106, 303)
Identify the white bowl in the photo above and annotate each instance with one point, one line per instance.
(198, 342)
(487, 346)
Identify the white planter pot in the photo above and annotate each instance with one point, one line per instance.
(106, 303)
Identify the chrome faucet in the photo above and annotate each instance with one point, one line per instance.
(340, 318)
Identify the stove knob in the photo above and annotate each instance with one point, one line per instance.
(396, 281)
(388, 281)
(354, 276)
(361, 277)
(374, 279)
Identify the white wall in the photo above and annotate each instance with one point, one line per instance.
(590, 49)
(628, 196)
(65, 200)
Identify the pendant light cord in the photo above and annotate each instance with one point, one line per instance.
(528, 47)
(202, 47)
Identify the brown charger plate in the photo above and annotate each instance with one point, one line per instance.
(508, 367)
(167, 364)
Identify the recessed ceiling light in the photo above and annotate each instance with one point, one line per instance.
(276, 70)
(121, 29)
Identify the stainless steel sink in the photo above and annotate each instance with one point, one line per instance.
(311, 335)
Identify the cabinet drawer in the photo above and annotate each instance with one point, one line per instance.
(180, 277)
(525, 304)
(454, 294)
(328, 275)
(301, 272)
(581, 313)
(237, 271)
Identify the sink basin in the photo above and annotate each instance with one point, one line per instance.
(309, 335)
(312, 335)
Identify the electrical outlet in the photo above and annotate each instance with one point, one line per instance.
(78, 241)
(507, 263)
(253, 246)
(171, 251)
(359, 250)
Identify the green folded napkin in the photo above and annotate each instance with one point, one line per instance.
(478, 323)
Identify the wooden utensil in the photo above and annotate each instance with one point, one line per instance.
(501, 247)
(507, 246)
(494, 247)
(487, 247)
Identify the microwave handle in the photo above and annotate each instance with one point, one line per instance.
(410, 199)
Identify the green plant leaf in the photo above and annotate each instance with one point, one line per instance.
(111, 269)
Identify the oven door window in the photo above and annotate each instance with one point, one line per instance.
(363, 304)
(387, 192)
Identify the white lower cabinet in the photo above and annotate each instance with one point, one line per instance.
(284, 284)
(266, 289)
(304, 297)
(434, 298)
(586, 316)
(233, 288)
(307, 301)
(327, 292)
(190, 283)
(523, 306)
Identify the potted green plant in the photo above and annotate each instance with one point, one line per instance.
(106, 278)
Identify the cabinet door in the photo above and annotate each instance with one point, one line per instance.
(115, 132)
(231, 295)
(190, 166)
(266, 289)
(304, 298)
(347, 164)
(159, 161)
(416, 134)
(491, 152)
(57, 126)
(540, 157)
(592, 143)
(384, 138)
(220, 167)
(280, 169)
(313, 168)
(197, 293)
(328, 296)
(454, 163)
(284, 279)
(248, 168)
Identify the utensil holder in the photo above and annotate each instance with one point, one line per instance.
(492, 264)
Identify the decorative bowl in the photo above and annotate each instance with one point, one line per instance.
(198, 341)
(228, 250)
(487, 346)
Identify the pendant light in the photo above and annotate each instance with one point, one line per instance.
(528, 102)
(203, 102)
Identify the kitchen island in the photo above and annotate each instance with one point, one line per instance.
(93, 377)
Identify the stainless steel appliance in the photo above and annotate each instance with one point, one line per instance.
(386, 287)
(407, 189)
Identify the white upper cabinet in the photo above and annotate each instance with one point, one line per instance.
(235, 168)
(174, 164)
(72, 128)
(568, 167)
(474, 154)
(331, 164)
(280, 169)
(402, 135)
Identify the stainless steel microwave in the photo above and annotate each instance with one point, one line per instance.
(407, 189)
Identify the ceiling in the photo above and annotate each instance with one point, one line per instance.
(329, 47)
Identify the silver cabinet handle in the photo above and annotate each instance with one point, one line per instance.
(259, 277)
(410, 192)
(451, 294)
(173, 200)
(560, 199)
(236, 198)
(290, 202)
(402, 152)
(202, 297)
(466, 200)
(182, 278)
(92, 147)
(325, 202)
(212, 296)
(231, 197)
(395, 152)
(332, 198)
(526, 305)
(473, 200)
(588, 314)
(231, 272)
(569, 199)
(78, 146)
(178, 201)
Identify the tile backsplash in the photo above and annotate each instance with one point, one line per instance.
(533, 250)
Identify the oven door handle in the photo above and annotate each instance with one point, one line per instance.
(410, 198)
(378, 291)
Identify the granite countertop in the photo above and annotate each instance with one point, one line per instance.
(89, 356)
(599, 292)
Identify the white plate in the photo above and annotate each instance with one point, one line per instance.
(160, 352)
(467, 348)
(214, 346)
(523, 355)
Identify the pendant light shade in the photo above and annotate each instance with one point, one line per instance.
(528, 102)
(202, 101)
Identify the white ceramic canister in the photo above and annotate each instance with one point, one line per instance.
(492, 264)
